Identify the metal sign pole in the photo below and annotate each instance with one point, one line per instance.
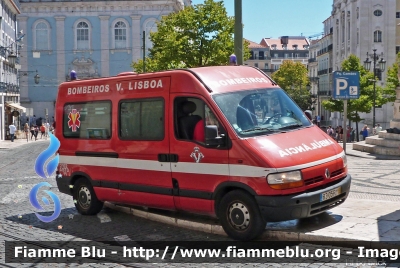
(344, 125)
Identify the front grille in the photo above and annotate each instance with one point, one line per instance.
(314, 180)
(326, 185)
(337, 172)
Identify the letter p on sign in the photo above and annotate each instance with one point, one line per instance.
(341, 84)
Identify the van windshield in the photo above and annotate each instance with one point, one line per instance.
(261, 111)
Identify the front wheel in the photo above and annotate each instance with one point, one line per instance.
(240, 216)
(85, 199)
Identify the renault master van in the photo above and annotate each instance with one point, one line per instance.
(223, 141)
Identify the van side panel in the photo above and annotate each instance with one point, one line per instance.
(132, 172)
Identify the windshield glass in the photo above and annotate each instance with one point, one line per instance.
(261, 111)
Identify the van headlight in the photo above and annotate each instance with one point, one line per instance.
(285, 180)
(344, 158)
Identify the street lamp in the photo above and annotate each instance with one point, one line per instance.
(36, 77)
(367, 66)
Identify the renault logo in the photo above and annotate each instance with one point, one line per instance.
(327, 173)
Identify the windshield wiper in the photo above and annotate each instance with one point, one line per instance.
(256, 129)
(291, 126)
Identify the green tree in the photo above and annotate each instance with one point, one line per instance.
(365, 103)
(201, 35)
(293, 78)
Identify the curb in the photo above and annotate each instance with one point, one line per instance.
(174, 221)
(273, 235)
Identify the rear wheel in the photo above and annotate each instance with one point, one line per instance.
(85, 199)
(240, 216)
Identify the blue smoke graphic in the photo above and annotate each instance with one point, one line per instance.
(45, 155)
(35, 202)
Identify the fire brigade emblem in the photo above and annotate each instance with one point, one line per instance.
(64, 170)
(74, 121)
(197, 155)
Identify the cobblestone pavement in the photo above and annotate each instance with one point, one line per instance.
(372, 179)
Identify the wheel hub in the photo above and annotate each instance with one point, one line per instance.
(84, 197)
(239, 216)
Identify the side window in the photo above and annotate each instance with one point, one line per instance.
(141, 119)
(194, 120)
(87, 120)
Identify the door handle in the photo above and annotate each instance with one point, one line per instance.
(167, 157)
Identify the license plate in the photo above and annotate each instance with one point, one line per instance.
(330, 194)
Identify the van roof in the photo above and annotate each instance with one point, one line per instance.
(221, 79)
(216, 79)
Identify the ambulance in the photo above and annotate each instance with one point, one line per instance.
(223, 141)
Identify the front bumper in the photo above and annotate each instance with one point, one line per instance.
(304, 205)
(63, 184)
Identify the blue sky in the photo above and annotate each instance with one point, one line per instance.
(274, 18)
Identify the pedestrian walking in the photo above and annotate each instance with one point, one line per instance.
(365, 131)
(47, 129)
(36, 131)
(352, 134)
(12, 131)
(32, 131)
(42, 131)
(26, 130)
(330, 131)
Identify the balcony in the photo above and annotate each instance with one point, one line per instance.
(8, 88)
(322, 72)
(312, 60)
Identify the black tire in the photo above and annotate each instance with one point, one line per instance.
(240, 216)
(85, 199)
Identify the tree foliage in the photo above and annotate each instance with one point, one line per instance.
(365, 103)
(293, 78)
(200, 35)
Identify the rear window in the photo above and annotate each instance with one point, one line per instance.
(87, 120)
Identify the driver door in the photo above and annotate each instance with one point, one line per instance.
(200, 165)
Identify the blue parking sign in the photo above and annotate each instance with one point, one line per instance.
(346, 85)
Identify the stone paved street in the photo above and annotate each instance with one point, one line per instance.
(372, 180)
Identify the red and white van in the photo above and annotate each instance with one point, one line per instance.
(222, 141)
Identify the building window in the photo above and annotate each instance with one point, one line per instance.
(286, 55)
(142, 119)
(41, 36)
(397, 49)
(120, 35)
(377, 36)
(296, 55)
(358, 37)
(348, 30)
(82, 36)
(265, 65)
(87, 120)
(397, 15)
(256, 65)
(275, 55)
(378, 12)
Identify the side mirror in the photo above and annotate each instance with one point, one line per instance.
(212, 138)
(308, 114)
